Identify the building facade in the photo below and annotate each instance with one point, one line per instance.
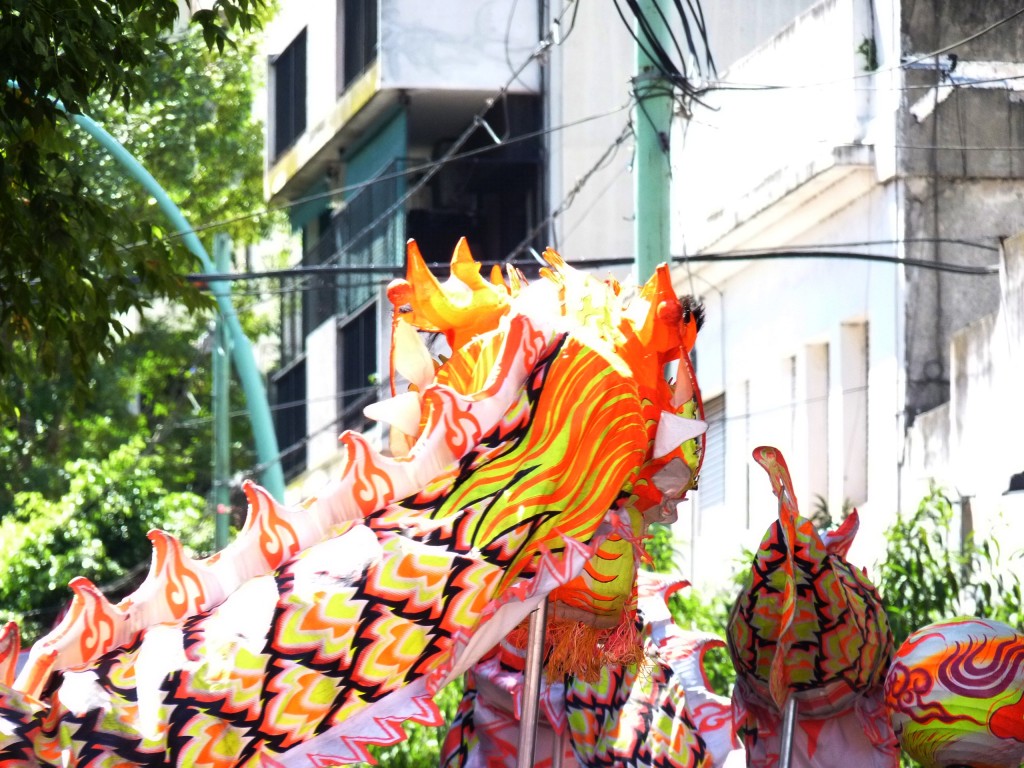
(378, 114)
(846, 155)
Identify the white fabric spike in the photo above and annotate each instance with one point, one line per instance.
(412, 359)
(675, 430)
(402, 412)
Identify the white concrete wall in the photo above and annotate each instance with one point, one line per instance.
(799, 154)
(440, 45)
(786, 105)
(760, 319)
(736, 27)
(454, 45)
(322, 393)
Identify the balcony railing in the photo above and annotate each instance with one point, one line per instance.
(368, 231)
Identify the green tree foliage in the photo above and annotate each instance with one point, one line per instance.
(920, 578)
(72, 262)
(155, 386)
(92, 530)
(83, 484)
(195, 132)
(927, 576)
(707, 612)
(190, 123)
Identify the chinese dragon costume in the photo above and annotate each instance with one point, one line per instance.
(660, 712)
(809, 627)
(523, 467)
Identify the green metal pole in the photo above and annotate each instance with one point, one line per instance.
(652, 172)
(221, 408)
(252, 381)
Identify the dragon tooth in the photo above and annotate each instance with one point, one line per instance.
(673, 431)
(411, 357)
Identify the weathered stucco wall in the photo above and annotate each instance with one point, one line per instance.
(963, 179)
(938, 304)
(972, 446)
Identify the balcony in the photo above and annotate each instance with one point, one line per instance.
(784, 142)
(440, 61)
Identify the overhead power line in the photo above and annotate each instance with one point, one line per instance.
(794, 252)
(937, 266)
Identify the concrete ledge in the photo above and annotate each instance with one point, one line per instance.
(792, 199)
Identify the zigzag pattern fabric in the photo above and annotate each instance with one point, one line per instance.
(810, 626)
(324, 627)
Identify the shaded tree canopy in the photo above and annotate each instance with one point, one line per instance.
(73, 261)
(90, 461)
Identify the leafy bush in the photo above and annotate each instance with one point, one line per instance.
(97, 529)
(927, 576)
(695, 610)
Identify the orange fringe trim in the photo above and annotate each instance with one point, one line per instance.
(575, 648)
(578, 649)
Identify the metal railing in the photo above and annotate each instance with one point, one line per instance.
(359, 235)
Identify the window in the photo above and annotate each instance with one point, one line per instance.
(359, 38)
(357, 364)
(816, 439)
(712, 473)
(288, 84)
(854, 373)
(289, 391)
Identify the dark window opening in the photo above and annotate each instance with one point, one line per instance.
(492, 199)
(288, 75)
(288, 387)
(357, 364)
(359, 38)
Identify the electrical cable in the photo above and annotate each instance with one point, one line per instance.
(727, 85)
(448, 157)
(790, 252)
(570, 196)
(413, 170)
(964, 41)
(202, 420)
(409, 171)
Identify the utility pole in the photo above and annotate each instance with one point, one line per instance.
(221, 406)
(652, 172)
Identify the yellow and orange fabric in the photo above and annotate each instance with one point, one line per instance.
(537, 437)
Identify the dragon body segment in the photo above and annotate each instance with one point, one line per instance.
(541, 444)
(659, 712)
